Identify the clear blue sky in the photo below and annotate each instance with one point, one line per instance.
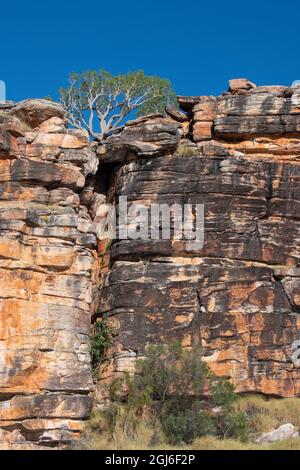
(198, 45)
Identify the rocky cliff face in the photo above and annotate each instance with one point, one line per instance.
(48, 264)
(238, 296)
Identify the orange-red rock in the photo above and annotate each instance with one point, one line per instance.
(47, 266)
(238, 296)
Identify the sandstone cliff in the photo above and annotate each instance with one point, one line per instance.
(48, 265)
(239, 296)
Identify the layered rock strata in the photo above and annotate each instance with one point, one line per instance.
(238, 296)
(48, 269)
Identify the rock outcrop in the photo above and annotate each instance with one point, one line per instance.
(238, 296)
(48, 269)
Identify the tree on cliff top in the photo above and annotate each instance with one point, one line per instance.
(99, 102)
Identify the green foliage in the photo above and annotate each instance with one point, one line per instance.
(232, 424)
(99, 101)
(223, 393)
(186, 426)
(101, 341)
(168, 386)
(229, 423)
(48, 98)
(170, 370)
(133, 407)
(183, 419)
(263, 414)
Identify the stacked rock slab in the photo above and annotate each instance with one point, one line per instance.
(239, 296)
(48, 264)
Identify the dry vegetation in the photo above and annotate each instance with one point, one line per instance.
(151, 409)
(264, 414)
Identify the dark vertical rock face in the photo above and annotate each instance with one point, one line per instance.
(239, 296)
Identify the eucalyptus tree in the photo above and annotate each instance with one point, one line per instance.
(100, 102)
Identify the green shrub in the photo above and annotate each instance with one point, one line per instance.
(169, 385)
(232, 424)
(185, 420)
(186, 426)
(101, 341)
(223, 393)
(169, 370)
(229, 422)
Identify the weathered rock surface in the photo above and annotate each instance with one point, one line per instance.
(147, 136)
(238, 84)
(34, 112)
(176, 114)
(48, 264)
(238, 296)
(258, 112)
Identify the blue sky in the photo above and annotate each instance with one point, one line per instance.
(198, 45)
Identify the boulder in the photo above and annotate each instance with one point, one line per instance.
(237, 84)
(34, 112)
(202, 130)
(7, 104)
(52, 125)
(146, 137)
(187, 103)
(286, 431)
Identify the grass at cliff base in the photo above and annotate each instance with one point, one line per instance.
(265, 414)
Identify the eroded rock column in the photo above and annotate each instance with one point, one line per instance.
(48, 270)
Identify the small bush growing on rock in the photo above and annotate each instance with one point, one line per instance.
(184, 150)
(102, 339)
